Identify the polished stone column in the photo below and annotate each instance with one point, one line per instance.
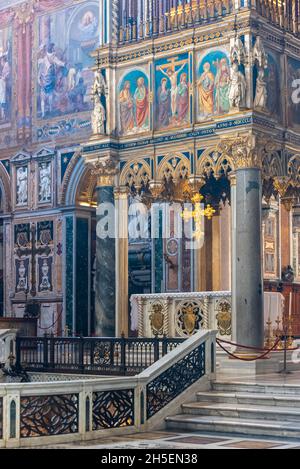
(105, 286)
(233, 252)
(121, 204)
(248, 260)
(247, 278)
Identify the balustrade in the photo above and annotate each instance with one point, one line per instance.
(142, 19)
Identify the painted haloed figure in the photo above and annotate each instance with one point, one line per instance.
(164, 104)
(126, 109)
(48, 67)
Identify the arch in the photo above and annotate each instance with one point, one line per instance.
(214, 163)
(5, 187)
(71, 179)
(294, 169)
(137, 173)
(174, 166)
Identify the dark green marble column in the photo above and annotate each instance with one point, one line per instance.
(105, 287)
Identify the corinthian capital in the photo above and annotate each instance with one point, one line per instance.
(243, 150)
(105, 170)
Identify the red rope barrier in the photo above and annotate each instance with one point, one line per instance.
(261, 357)
(244, 346)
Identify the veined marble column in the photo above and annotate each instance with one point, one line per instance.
(233, 252)
(248, 264)
(105, 286)
(121, 203)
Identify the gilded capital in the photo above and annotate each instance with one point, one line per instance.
(121, 193)
(243, 150)
(105, 170)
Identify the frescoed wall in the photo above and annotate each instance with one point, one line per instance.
(213, 84)
(273, 75)
(65, 39)
(293, 74)
(172, 106)
(5, 75)
(133, 102)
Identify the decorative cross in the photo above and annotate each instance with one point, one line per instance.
(33, 251)
(197, 214)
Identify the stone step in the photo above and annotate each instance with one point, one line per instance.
(271, 428)
(248, 398)
(256, 388)
(244, 412)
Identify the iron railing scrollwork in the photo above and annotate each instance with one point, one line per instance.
(175, 380)
(116, 356)
(49, 415)
(113, 409)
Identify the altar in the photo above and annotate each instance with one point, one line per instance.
(184, 314)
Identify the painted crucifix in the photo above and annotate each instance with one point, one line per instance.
(169, 70)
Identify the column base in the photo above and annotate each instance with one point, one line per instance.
(274, 363)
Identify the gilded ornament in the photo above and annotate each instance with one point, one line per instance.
(189, 319)
(224, 319)
(157, 318)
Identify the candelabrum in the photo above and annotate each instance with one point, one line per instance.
(278, 334)
(269, 340)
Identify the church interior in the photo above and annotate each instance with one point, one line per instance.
(150, 222)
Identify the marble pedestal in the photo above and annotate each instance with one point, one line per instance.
(227, 367)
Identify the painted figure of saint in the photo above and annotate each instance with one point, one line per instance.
(164, 104)
(88, 25)
(222, 87)
(126, 109)
(48, 66)
(141, 104)
(273, 103)
(206, 86)
(261, 95)
(4, 79)
(172, 76)
(183, 99)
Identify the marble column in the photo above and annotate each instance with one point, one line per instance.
(233, 252)
(105, 285)
(121, 203)
(248, 260)
(216, 251)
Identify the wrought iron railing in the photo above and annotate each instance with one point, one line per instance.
(117, 356)
(72, 408)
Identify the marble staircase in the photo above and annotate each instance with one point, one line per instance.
(235, 408)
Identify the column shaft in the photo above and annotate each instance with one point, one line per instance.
(105, 273)
(121, 202)
(249, 280)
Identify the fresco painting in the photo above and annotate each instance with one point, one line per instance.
(65, 39)
(293, 97)
(172, 92)
(133, 103)
(5, 75)
(213, 84)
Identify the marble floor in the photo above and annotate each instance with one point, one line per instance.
(169, 440)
